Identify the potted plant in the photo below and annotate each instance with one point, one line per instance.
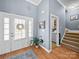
(36, 42)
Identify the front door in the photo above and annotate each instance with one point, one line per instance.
(15, 32)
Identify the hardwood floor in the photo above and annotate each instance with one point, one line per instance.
(57, 53)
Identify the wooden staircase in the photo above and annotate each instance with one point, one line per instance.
(71, 40)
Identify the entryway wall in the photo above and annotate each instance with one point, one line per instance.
(27, 9)
(57, 9)
(45, 9)
(20, 7)
(72, 24)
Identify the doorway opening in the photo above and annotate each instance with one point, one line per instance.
(54, 31)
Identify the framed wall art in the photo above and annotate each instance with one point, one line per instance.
(74, 17)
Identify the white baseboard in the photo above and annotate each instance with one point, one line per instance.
(48, 51)
(13, 50)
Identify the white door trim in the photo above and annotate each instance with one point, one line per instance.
(57, 36)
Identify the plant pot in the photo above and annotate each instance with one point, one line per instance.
(36, 46)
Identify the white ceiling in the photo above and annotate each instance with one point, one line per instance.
(35, 2)
(70, 3)
(66, 3)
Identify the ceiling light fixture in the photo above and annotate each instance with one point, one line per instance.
(43, 12)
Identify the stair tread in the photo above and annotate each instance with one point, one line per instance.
(71, 39)
(72, 47)
(72, 33)
(71, 42)
(75, 36)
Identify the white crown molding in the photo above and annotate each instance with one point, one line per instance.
(61, 3)
(34, 3)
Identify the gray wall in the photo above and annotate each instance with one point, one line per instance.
(50, 6)
(44, 6)
(20, 7)
(73, 25)
(57, 9)
(11, 44)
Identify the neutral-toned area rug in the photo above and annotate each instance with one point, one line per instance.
(27, 55)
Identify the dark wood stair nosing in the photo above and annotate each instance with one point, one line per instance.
(74, 36)
(71, 38)
(72, 33)
(71, 41)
